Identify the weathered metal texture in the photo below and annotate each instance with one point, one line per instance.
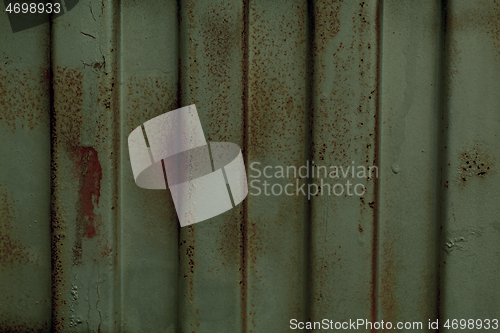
(344, 133)
(277, 135)
(84, 159)
(410, 161)
(408, 87)
(439, 146)
(148, 229)
(25, 299)
(211, 271)
(470, 259)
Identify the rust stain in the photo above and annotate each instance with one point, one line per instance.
(24, 101)
(88, 164)
(276, 84)
(12, 250)
(221, 36)
(483, 18)
(327, 23)
(147, 98)
(68, 101)
(189, 86)
(475, 162)
(58, 274)
(106, 86)
(210, 78)
(328, 139)
(229, 240)
(388, 272)
(338, 105)
(493, 28)
(67, 123)
(344, 129)
(276, 133)
(188, 266)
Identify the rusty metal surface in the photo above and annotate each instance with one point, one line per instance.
(277, 134)
(410, 87)
(471, 234)
(345, 131)
(25, 298)
(211, 266)
(84, 119)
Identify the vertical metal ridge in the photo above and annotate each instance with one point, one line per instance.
(179, 50)
(179, 105)
(246, 115)
(57, 235)
(377, 162)
(55, 315)
(310, 105)
(442, 157)
(117, 200)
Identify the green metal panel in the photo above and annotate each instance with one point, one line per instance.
(25, 255)
(345, 131)
(470, 262)
(409, 87)
(148, 251)
(211, 266)
(410, 161)
(84, 157)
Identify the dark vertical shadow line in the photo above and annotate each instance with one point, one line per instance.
(179, 103)
(146, 138)
(164, 173)
(246, 129)
(53, 235)
(377, 160)
(116, 63)
(309, 128)
(228, 187)
(179, 52)
(211, 158)
(442, 122)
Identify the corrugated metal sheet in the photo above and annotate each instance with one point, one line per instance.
(410, 87)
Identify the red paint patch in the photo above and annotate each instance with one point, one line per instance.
(91, 188)
(89, 171)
